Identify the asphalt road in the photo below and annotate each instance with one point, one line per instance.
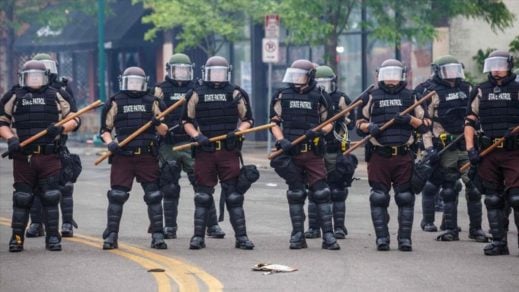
(84, 266)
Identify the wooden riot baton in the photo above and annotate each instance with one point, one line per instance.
(222, 137)
(142, 129)
(390, 122)
(491, 148)
(69, 117)
(357, 101)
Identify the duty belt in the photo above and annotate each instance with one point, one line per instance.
(137, 151)
(40, 149)
(389, 151)
(509, 143)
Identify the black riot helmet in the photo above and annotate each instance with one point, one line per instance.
(300, 73)
(448, 67)
(180, 68)
(391, 70)
(326, 78)
(33, 75)
(498, 60)
(216, 70)
(133, 79)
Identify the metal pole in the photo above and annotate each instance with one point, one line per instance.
(101, 63)
(269, 96)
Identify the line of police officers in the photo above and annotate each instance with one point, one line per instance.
(315, 168)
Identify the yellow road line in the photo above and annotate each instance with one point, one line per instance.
(213, 284)
(162, 280)
(181, 272)
(184, 280)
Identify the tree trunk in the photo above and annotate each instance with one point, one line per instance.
(330, 54)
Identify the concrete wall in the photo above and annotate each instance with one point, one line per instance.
(467, 36)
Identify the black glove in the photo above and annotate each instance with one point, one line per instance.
(374, 130)
(311, 134)
(474, 156)
(113, 147)
(432, 155)
(284, 145)
(402, 120)
(202, 140)
(53, 130)
(155, 122)
(13, 145)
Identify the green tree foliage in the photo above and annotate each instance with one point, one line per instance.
(16, 14)
(202, 23)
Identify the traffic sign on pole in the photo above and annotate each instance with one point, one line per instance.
(272, 26)
(270, 52)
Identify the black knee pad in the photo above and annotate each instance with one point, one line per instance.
(339, 195)
(513, 197)
(472, 194)
(448, 194)
(116, 196)
(296, 196)
(429, 189)
(50, 197)
(203, 200)
(234, 200)
(404, 199)
(171, 191)
(379, 198)
(154, 197)
(67, 189)
(320, 193)
(22, 195)
(494, 201)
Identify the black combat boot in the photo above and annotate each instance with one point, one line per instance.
(110, 240)
(67, 230)
(170, 232)
(35, 230)
(496, 247)
(157, 241)
(380, 217)
(201, 206)
(339, 214)
(53, 243)
(16, 242)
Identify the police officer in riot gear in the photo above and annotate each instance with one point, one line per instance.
(125, 112)
(215, 108)
(495, 104)
(388, 153)
(69, 162)
(447, 108)
(296, 110)
(338, 178)
(179, 81)
(32, 108)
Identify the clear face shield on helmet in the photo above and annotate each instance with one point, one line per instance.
(495, 64)
(34, 78)
(295, 76)
(326, 83)
(180, 72)
(134, 83)
(391, 73)
(451, 71)
(217, 74)
(51, 66)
